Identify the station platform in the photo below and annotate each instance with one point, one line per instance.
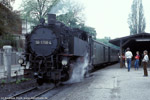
(14, 68)
(110, 83)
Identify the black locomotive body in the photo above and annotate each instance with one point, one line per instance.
(52, 48)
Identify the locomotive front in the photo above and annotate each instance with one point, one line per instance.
(43, 42)
(42, 49)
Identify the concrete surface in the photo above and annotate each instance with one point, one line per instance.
(111, 83)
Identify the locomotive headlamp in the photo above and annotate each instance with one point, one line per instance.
(64, 61)
(20, 60)
(35, 75)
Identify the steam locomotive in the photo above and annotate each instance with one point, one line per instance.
(52, 48)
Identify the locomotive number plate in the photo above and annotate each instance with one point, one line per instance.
(46, 42)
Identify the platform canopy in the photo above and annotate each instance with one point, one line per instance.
(138, 42)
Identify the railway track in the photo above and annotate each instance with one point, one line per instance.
(34, 94)
(21, 93)
(43, 92)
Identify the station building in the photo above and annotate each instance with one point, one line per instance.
(138, 42)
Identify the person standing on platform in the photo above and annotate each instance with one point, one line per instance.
(137, 57)
(128, 57)
(119, 57)
(145, 61)
(123, 59)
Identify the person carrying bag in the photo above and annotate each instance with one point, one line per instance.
(128, 57)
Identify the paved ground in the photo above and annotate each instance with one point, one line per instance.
(13, 68)
(111, 83)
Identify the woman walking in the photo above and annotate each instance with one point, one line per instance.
(145, 61)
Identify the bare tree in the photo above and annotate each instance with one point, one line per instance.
(33, 10)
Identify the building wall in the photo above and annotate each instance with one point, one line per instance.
(26, 26)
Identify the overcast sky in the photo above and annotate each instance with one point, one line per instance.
(109, 17)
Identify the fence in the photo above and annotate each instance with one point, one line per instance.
(15, 67)
(14, 58)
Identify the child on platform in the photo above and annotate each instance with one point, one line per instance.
(137, 57)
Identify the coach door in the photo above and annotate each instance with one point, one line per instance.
(108, 54)
(104, 56)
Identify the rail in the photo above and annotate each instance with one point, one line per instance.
(21, 93)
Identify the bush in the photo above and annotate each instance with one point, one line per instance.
(18, 81)
(3, 81)
(25, 79)
(8, 39)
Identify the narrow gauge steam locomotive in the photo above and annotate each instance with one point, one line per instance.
(51, 49)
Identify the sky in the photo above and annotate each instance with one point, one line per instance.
(109, 17)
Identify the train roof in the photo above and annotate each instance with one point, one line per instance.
(104, 44)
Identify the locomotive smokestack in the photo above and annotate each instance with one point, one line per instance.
(51, 18)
